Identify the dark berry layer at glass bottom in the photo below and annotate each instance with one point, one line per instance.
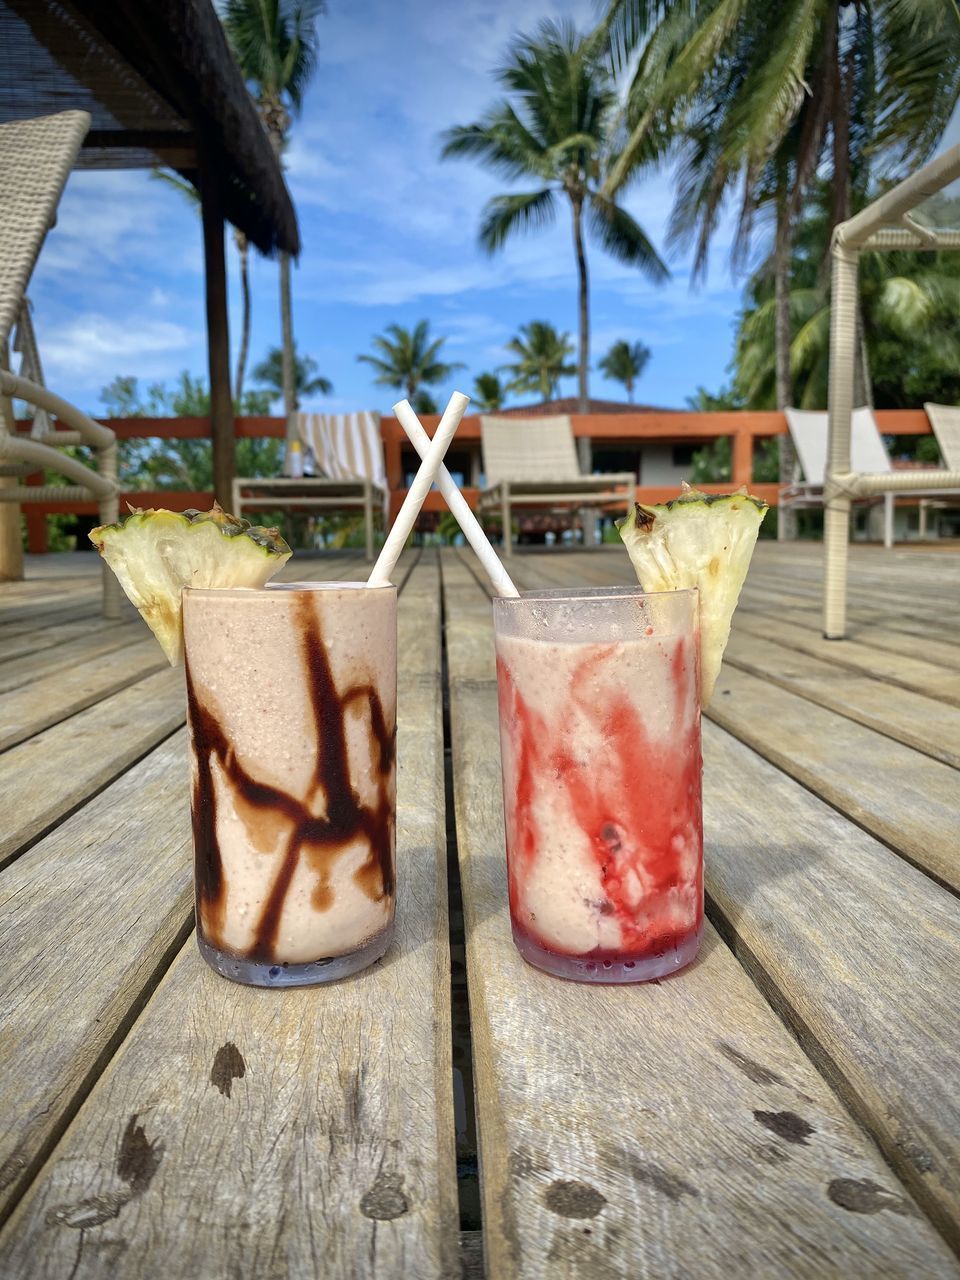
(259, 973)
(611, 966)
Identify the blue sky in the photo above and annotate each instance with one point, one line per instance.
(388, 231)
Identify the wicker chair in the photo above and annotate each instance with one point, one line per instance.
(36, 157)
(532, 462)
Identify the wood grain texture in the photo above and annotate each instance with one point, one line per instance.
(55, 771)
(923, 723)
(671, 1129)
(55, 697)
(861, 951)
(241, 1132)
(855, 655)
(906, 799)
(86, 917)
(80, 650)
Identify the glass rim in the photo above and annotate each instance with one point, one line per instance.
(570, 594)
(281, 588)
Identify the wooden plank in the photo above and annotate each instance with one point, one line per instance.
(28, 710)
(87, 921)
(52, 773)
(82, 650)
(624, 1130)
(853, 655)
(922, 723)
(38, 638)
(859, 950)
(907, 800)
(294, 1133)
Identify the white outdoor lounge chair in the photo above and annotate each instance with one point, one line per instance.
(809, 431)
(348, 452)
(532, 462)
(945, 421)
(36, 157)
(885, 224)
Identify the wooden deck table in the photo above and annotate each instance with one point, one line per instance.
(788, 1106)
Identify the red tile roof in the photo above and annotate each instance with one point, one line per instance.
(571, 404)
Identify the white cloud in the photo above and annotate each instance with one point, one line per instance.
(97, 346)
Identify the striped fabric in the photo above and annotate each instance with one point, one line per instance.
(346, 446)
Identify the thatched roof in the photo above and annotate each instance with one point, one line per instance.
(162, 86)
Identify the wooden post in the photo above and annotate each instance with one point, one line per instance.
(11, 546)
(741, 465)
(218, 335)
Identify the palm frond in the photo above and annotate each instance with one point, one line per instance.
(624, 238)
(523, 211)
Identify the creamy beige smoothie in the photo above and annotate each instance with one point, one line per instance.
(292, 709)
(600, 748)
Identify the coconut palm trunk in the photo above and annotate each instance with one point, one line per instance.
(787, 522)
(583, 357)
(276, 120)
(243, 248)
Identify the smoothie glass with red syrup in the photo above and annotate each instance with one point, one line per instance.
(600, 748)
(292, 704)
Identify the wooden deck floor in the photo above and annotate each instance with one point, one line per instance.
(832, 823)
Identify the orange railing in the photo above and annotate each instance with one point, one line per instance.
(619, 429)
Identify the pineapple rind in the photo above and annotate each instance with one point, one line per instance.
(156, 553)
(698, 540)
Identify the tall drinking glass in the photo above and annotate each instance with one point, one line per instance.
(292, 702)
(600, 747)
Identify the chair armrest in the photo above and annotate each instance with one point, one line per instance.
(94, 434)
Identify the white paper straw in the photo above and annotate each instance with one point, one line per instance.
(407, 515)
(459, 507)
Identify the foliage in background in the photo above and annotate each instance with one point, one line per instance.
(407, 360)
(181, 464)
(542, 359)
(276, 45)
(910, 317)
(306, 380)
(558, 126)
(625, 362)
(489, 393)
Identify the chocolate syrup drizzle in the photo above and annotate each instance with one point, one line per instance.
(320, 840)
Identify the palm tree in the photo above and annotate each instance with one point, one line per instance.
(424, 403)
(908, 307)
(766, 102)
(556, 126)
(489, 392)
(275, 42)
(408, 360)
(306, 381)
(192, 195)
(625, 363)
(543, 357)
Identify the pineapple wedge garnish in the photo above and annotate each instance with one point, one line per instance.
(156, 553)
(701, 540)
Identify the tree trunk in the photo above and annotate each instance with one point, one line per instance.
(629, 391)
(243, 248)
(275, 133)
(787, 521)
(583, 361)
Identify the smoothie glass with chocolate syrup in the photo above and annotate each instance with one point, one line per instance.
(292, 697)
(600, 748)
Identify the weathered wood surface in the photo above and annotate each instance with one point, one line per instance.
(906, 799)
(924, 723)
(35, 706)
(669, 1129)
(860, 951)
(240, 1132)
(55, 771)
(88, 918)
